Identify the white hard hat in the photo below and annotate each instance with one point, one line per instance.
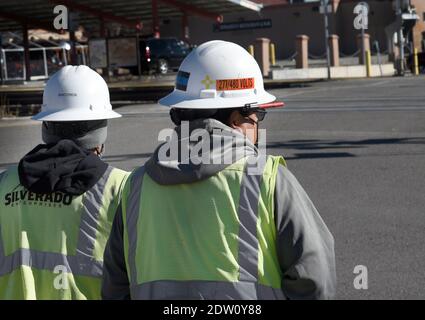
(76, 93)
(218, 75)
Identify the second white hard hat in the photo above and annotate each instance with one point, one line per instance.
(76, 93)
(218, 75)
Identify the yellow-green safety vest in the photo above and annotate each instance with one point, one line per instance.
(51, 245)
(211, 239)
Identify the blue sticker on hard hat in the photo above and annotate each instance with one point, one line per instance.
(182, 80)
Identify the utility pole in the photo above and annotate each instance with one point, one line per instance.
(326, 20)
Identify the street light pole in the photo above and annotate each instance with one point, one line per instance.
(400, 38)
(328, 51)
(1, 60)
(363, 47)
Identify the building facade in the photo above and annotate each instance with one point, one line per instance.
(281, 23)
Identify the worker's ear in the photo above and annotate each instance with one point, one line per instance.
(99, 150)
(235, 120)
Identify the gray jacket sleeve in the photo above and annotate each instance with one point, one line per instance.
(304, 244)
(115, 284)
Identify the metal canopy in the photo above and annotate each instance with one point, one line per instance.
(127, 13)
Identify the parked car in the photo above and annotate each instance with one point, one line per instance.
(161, 55)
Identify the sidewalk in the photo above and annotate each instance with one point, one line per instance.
(321, 62)
(349, 69)
(343, 72)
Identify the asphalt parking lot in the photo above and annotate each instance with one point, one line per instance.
(357, 147)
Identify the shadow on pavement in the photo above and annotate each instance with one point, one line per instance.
(339, 144)
(300, 156)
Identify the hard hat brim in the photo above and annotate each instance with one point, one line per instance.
(71, 115)
(179, 99)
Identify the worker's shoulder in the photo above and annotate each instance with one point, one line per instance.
(2, 173)
(136, 173)
(118, 178)
(276, 159)
(272, 164)
(286, 180)
(13, 169)
(267, 164)
(131, 179)
(120, 173)
(283, 172)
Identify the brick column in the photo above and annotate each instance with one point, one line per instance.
(302, 51)
(419, 28)
(262, 55)
(334, 48)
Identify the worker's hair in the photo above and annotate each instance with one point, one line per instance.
(87, 134)
(178, 115)
(73, 129)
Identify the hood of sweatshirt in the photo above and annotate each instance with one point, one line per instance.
(63, 166)
(196, 151)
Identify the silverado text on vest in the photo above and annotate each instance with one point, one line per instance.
(25, 195)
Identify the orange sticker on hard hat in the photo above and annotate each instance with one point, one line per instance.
(234, 84)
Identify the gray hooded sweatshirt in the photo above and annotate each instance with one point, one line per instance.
(305, 247)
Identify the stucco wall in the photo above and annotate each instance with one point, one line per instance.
(288, 22)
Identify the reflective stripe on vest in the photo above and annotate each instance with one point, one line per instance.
(247, 253)
(133, 211)
(83, 262)
(248, 214)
